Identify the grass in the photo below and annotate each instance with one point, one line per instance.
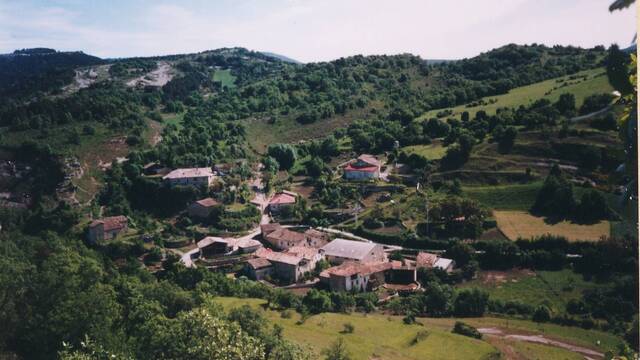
(386, 337)
(225, 78)
(595, 83)
(515, 224)
(374, 336)
(261, 133)
(505, 197)
(551, 288)
(434, 151)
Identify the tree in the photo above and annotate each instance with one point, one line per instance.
(541, 314)
(198, 334)
(470, 302)
(337, 351)
(317, 301)
(566, 104)
(284, 154)
(592, 207)
(507, 140)
(618, 69)
(461, 253)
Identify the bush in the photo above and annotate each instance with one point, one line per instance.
(420, 336)
(542, 314)
(348, 328)
(466, 330)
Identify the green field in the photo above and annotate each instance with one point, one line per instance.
(505, 197)
(551, 288)
(434, 151)
(596, 82)
(375, 336)
(225, 77)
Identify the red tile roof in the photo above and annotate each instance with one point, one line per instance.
(269, 228)
(282, 198)
(258, 263)
(350, 167)
(350, 268)
(425, 259)
(207, 202)
(111, 223)
(369, 159)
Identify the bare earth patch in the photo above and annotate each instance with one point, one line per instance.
(158, 77)
(501, 277)
(510, 334)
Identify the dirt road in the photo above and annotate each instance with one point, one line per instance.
(588, 353)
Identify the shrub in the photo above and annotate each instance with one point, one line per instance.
(542, 314)
(466, 330)
(420, 336)
(348, 328)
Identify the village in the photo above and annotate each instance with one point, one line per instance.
(291, 256)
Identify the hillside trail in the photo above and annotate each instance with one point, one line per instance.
(501, 333)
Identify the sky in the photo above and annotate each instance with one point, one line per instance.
(309, 30)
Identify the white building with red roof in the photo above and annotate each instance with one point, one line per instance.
(190, 176)
(365, 167)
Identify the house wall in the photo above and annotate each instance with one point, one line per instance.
(360, 175)
(96, 233)
(286, 272)
(196, 181)
(276, 208)
(260, 274)
(357, 282)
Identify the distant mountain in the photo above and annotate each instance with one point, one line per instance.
(40, 69)
(281, 57)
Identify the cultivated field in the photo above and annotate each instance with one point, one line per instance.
(505, 197)
(520, 224)
(595, 83)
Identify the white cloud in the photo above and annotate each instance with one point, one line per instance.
(320, 30)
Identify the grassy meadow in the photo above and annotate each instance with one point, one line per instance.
(378, 336)
(433, 151)
(375, 336)
(225, 78)
(595, 83)
(551, 288)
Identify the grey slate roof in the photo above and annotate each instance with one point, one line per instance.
(348, 249)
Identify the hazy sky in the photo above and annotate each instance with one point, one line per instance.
(309, 30)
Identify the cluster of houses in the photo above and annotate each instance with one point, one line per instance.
(355, 266)
(290, 255)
